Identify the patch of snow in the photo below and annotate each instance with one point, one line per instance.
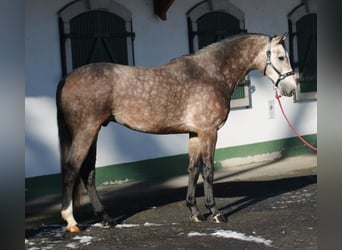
(72, 245)
(241, 236)
(84, 239)
(192, 234)
(99, 225)
(233, 235)
(148, 224)
(81, 241)
(126, 225)
(115, 182)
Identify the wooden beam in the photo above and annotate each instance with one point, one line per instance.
(161, 7)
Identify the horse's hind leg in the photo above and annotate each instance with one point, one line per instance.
(194, 170)
(208, 142)
(88, 176)
(70, 171)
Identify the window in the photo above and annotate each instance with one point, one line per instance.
(212, 21)
(303, 49)
(95, 31)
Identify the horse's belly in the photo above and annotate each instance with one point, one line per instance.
(152, 123)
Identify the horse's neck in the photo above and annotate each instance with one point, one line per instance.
(241, 59)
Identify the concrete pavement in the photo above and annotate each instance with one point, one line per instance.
(268, 183)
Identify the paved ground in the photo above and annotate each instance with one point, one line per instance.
(267, 204)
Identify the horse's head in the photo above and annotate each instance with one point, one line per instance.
(277, 66)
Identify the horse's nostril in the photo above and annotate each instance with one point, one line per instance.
(289, 93)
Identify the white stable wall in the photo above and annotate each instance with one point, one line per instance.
(155, 44)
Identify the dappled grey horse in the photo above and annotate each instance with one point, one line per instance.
(191, 94)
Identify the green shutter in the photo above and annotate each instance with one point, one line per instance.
(98, 36)
(215, 26)
(239, 92)
(306, 28)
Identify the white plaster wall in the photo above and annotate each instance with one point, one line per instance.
(155, 44)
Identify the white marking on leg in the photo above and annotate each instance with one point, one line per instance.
(68, 216)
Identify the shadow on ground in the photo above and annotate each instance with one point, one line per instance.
(122, 204)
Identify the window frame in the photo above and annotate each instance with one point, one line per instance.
(68, 12)
(295, 15)
(206, 7)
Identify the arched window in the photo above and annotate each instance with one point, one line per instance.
(215, 26)
(95, 31)
(212, 21)
(303, 48)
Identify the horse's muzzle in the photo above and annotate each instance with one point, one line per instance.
(287, 93)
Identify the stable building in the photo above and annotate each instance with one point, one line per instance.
(61, 36)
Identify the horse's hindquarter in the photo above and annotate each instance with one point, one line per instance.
(87, 94)
(160, 100)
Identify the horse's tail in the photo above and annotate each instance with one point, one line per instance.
(65, 140)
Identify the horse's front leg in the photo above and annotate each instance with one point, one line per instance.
(194, 171)
(208, 150)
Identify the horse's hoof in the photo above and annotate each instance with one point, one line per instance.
(197, 218)
(218, 218)
(73, 229)
(109, 223)
(108, 220)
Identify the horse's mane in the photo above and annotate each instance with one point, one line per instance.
(226, 42)
(218, 45)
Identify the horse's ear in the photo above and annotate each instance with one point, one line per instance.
(281, 38)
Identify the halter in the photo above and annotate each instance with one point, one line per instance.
(268, 62)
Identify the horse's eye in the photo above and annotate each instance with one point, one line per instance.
(281, 58)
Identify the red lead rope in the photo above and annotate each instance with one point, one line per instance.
(291, 126)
